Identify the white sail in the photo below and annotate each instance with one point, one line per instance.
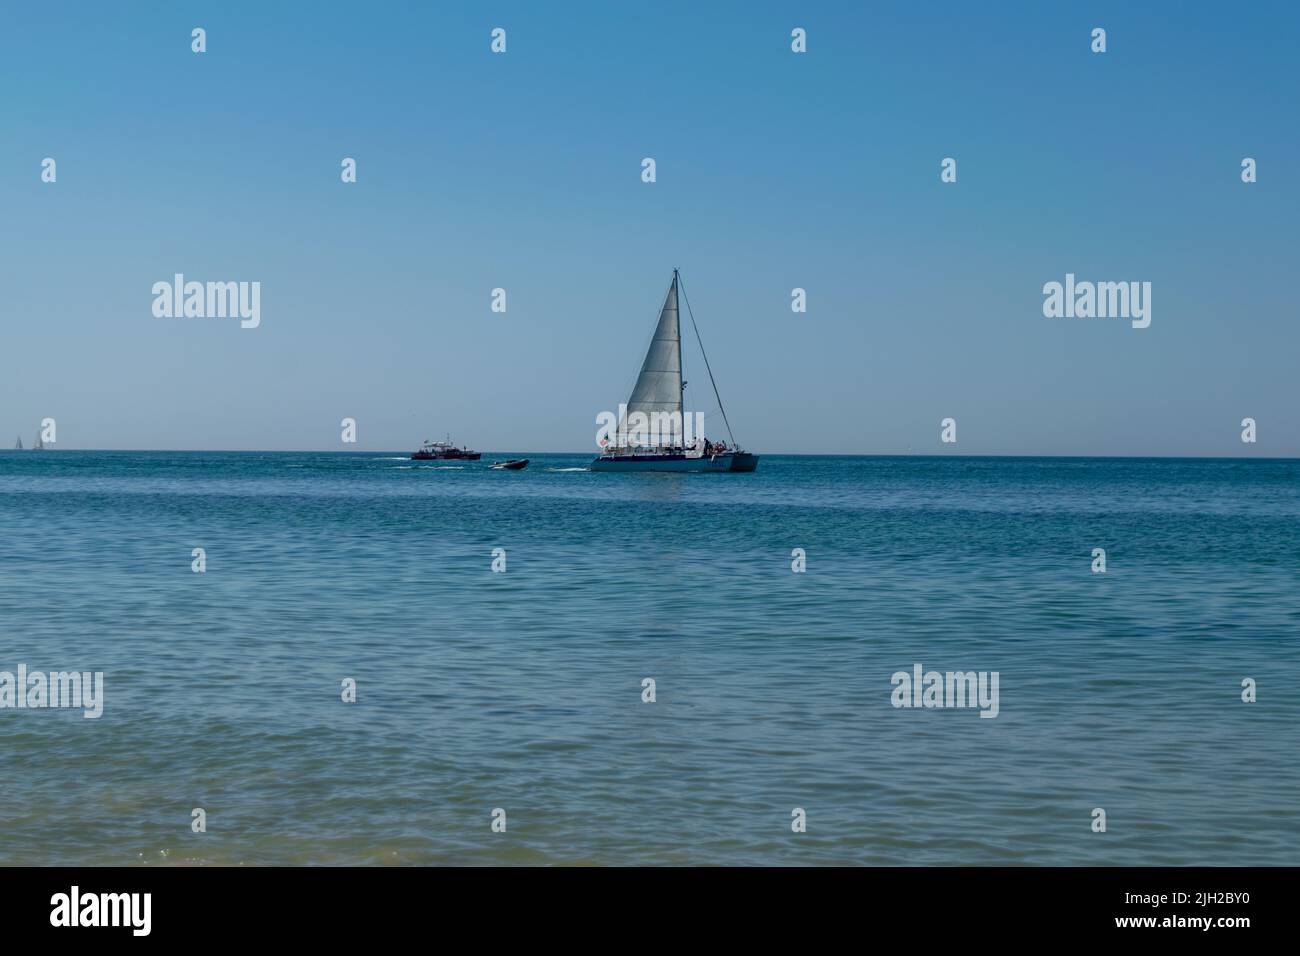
(658, 388)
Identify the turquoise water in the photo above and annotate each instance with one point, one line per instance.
(522, 690)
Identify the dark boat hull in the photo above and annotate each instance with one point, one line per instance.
(728, 462)
(427, 456)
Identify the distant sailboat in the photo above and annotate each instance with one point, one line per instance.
(38, 445)
(19, 446)
(658, 393)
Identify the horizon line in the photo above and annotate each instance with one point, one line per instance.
(776, 454)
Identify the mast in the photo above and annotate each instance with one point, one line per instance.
(681, 387)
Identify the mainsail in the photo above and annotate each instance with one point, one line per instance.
(19, 446)
(658, 388)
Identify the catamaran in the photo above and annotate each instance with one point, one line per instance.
(657, 395)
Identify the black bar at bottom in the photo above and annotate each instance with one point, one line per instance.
(960, 905)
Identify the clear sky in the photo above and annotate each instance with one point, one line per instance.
(775, 170)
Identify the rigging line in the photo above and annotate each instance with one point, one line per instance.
(705, 355)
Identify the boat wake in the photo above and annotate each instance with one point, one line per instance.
(558, 470)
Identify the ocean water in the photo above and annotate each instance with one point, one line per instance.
(522, 690)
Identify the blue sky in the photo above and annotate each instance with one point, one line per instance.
(775, 170)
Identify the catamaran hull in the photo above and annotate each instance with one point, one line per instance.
(741, 461)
